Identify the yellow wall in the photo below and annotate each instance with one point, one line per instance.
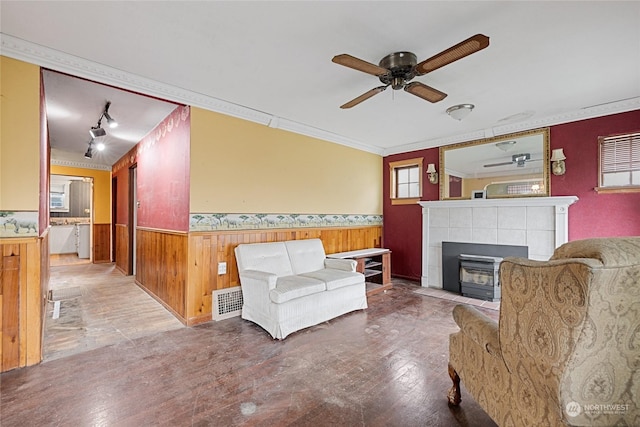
(239, 166)
(19, 135)
(101, 190)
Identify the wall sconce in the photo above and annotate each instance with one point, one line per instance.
(433, 175)
(557, 162)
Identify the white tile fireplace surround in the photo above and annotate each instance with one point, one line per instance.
(541, 223)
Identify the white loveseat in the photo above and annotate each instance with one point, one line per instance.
(288, 286)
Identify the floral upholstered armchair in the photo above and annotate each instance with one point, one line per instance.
(566, 350)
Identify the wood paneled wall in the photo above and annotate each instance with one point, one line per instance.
(23, 282)
(122, 248)
(161, 267)
(101, 242)
(207, 249)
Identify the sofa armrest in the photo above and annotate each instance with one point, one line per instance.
(479, 328)
(340, 264)
(250, 277)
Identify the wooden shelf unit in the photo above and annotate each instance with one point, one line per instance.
(375, 264)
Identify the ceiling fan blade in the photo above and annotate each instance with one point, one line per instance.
(363, 97)
(359, 64)
(425, 92)
(459, 51)
(498, 164)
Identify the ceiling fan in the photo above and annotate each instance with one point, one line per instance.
(397, 69)
(519, 159)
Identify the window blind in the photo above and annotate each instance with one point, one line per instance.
(620, 153)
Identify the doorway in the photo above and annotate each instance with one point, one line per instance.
(133, 216)
(71, 219)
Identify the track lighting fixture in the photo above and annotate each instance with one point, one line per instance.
(110, 121)
(97, 131)
(89, 153)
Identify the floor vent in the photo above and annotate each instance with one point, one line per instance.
(227, 303)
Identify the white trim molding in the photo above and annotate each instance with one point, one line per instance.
(615, 107)
(83, 165)
(23, 50)
(59, 61)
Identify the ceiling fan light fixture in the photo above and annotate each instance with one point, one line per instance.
(460, 111)
(397, 83)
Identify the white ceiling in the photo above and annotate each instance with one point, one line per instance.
(74, 105)
(548, 62)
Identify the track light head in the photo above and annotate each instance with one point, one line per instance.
(97, 131)
(89, 153)
(110, 120)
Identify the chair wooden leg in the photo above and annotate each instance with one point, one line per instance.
(454, 391)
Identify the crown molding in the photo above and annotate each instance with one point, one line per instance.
(82, 165)
(306, 130)
(556, 119)
(23, 50)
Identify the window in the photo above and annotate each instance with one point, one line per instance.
(620, 162)
(406, 181)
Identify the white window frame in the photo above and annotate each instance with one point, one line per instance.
(619, 154)
(402, 164)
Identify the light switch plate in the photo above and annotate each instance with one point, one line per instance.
(222, 268)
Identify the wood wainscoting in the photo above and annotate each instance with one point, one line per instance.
(101, 242)
(161, 267)
(207, 249)
(24, 275)
(122, 249)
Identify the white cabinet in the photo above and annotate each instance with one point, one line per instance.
(83, 241)
(62, 239)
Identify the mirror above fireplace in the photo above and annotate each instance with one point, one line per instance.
(514, 165)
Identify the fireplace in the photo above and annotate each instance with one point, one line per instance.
(538, 223)
(452, 251)
(479, 276)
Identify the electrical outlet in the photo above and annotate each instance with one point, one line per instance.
(222, 268)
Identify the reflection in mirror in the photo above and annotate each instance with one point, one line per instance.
(70, 196)
(515, 165)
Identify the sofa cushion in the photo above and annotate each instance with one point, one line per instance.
(335, 279)
(291, 287)
(305, 255)
(268, 257)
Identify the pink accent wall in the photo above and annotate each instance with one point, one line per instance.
(163, 174)
(162, 165)
(594, 215)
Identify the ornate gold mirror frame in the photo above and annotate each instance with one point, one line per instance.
(514, 165)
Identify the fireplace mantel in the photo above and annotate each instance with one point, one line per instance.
(541, 223)
(516, 201)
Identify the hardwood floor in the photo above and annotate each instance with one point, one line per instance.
(384, 366)
(56, 260)
(111, 309)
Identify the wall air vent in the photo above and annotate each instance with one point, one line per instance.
(227, 303)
